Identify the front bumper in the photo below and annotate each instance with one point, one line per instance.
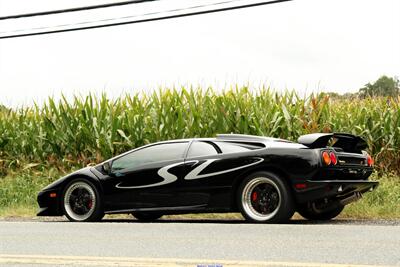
(49, 206)
(333, 189)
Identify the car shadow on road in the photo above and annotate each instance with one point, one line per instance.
(230, 221)
(167, 220)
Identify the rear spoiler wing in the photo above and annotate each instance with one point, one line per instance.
(348, 142)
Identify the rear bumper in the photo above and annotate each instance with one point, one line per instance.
(333, 189)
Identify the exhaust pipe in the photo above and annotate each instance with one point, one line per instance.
(356, 196)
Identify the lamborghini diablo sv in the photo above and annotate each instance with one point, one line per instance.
(266, 179)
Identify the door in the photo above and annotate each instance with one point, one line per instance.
(196, 192)
(146, 178)
(210, 170)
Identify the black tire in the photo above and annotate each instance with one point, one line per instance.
(146, 216)
(87, 205)
(274, 203)
(310, 212)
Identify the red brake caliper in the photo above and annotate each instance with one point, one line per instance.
(90, 204)
(254, 196)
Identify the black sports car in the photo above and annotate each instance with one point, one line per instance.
(266, 179)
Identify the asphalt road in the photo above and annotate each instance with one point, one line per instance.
(212, 243)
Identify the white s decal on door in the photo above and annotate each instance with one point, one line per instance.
(192, 175)
(163, 172)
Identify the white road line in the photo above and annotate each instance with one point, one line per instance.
(145, 262)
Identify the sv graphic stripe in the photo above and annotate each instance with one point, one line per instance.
(192, 175)
(163, 172)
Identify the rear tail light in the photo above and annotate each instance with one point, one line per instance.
(326, 158)
(370, 161)
(329, 158)
(333, 158)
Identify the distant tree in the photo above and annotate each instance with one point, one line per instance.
(337, 96)
(350, 95)
(333, 94)
(384, 86)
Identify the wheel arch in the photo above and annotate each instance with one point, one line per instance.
(79, 176)
(266, 168)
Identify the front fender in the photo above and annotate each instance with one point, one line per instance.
(50, 197)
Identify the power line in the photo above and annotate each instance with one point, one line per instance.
(125, 17)
(75, 9)
(148, 20)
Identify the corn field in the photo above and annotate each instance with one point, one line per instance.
(91, 129)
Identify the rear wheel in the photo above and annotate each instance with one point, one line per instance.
(312, 211)
(263, 197)
(146, 216)
(81, 202)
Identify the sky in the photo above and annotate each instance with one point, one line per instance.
(306, 45)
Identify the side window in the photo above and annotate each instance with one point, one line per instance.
(232, 147)
(155, 153)
(199, 148)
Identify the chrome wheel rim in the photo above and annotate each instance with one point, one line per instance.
(79, 201)
(261, 199)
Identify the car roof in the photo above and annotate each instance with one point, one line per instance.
(231, 137)
(269, 142)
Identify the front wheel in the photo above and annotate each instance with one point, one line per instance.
(311, 211)
(81, 202)
(263, 197)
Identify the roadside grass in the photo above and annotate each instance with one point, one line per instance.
(383, 203)
(18, 211)
(18, 191)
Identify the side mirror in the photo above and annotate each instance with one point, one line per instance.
(107, 167)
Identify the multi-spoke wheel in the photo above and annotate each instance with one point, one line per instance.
(313, 211)
(264, 197)
(146, 216)
(81, 202)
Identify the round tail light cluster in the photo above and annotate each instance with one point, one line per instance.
(333, 158)
(370, 161)
(329, 158)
